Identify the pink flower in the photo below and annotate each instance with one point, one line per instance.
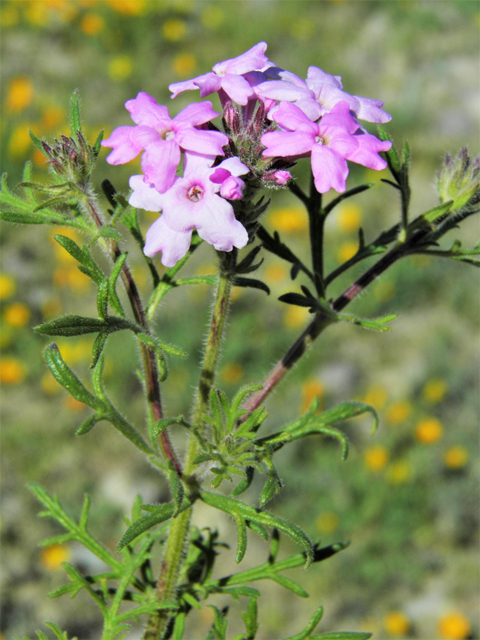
(336, 138)
(227, 77)
(163, 138)
(191, 202)
(318, 95)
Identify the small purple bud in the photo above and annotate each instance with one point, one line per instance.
(231, 117)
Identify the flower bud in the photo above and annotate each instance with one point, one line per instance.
(231, 118)
(459, 180)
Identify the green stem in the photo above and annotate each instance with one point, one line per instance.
(175, 546)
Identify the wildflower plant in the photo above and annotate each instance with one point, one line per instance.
(208, 175)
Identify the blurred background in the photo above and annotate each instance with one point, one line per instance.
(408, 498)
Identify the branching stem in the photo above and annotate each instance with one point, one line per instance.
(175, 546)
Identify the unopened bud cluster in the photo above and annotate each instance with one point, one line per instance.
(71, 158)
(459, 180)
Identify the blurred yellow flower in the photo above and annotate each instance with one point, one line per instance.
(296, 316)
(53, 556)
(429, 430)
(376, 458)
(453, 626)
(275, 273)
(49, 385)
(73, 405)
(9, 16)
(212, 16)
(91, 24)
(311, 389)
(396, 623)
(71, 278)
(174, 29)
(77, 351)
(232, 372)
(12, 371)
(51, 308)
(19, 142)
(120, 68)
(327, 522)
(456, 457)
(349, 218)
(184, 64)
(434, 390)
(52, 117)
(347, 250)
(399, 472)
(376, 396)
(398, 412)
(289, 220)
(7, 286)
(17, 314)
(39, 159)
(36, 13)
(128, 7)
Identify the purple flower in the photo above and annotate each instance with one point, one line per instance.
(191, 202)
(336, 138)
(227, 77)
(163, 138)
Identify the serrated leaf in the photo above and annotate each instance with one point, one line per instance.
(73, 325)
(65, 376)
(260, 517)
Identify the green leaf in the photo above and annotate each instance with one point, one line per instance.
(112, 281)
(179, 626)
(75, 122)
(342, 635)
(378, 324)
(102, 300)
(306, 633)
(311, 424)
(253, 283)
(250, 619)
(65, 376)
(73, 325)
(176, 487)
(288, 583)
(156, 516)
(98, 347)
(235, 508)
(241, 537)
(157, 345)
(89, 423)
(83, 256)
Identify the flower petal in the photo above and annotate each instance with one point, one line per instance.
(237, 88)
(159, 164)
(218, 226)
(252, 60)
(145, 110)
(287, 143)
(195, 114)
(173, 244)
(203, 142)
(330, 170)
(144, 196)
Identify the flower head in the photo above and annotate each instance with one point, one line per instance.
(459, 180)
(336, 138)
(163, 138)
(227, 77)
(193, 202)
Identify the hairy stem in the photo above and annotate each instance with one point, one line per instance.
(149, 358)
(175, 546)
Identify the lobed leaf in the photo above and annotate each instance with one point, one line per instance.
(251, 515)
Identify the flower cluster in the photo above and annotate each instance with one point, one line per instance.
(315, 118)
